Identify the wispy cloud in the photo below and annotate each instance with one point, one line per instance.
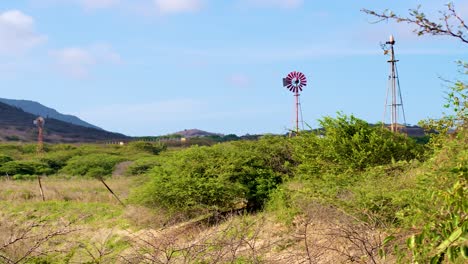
(98, 4)
(74, 61)
(86, 4)
(77, 62)
(275, 3)
(178, 6)
(140, 7)
(17, 33)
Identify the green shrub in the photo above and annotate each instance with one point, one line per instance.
(62, 147)
(22, 177)
(25, 168)
(56, 160)
(12, 150)
(88, 164)
(149, 147)
(4, 159)
(142, 165)
(88, 149)
(32, 148)
(12, 138)
(348, 143)
(222, 177)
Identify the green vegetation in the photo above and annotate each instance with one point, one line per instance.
(219, 178)
(152, 148)
(388, 196)
(72, 160)
(351, 144)
(413, 192)
(91, 165)
(24, 168)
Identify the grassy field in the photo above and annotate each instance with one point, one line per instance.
(360, 194)
(81, 222)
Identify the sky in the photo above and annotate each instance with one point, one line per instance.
(153, 67)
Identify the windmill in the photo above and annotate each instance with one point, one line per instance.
(294, 82)
(393, 90)
(39, 122)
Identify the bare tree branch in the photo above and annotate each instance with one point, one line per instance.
(30, 238)
(451, 24)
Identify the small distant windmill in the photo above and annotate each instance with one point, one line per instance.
(295, 81)
(40, 122)
(393, 89)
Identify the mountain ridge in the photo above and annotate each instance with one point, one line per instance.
(17, 125)
(39, 109)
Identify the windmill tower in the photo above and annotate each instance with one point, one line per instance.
(393, 98)
(39, 122)
(294, 82)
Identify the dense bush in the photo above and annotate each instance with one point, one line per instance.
(149, 147)
(56, 160)
(25, 168)
(142, 165)
(90, 164)
(61, 147)
(348, 143)
(4, 159)
(12, 150)
(355, 166)
(31, 148)
(222, 177)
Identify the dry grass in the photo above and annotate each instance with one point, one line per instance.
(321, 235)
(99, 222)
(57, 189)
(113, 234)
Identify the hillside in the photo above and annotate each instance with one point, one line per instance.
(17, 125)
(38, 109)
(188, 133)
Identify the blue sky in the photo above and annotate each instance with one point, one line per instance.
(152, 67)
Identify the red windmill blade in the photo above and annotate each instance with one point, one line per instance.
(295, 81)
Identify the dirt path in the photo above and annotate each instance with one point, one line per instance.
(121, 168)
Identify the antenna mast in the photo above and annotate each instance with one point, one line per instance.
(393, 89)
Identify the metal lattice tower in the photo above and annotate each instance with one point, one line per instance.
(39, 122)
(397, 109)
(295, 82)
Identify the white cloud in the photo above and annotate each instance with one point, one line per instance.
(178, 6)
(77, 62)
(17, 33)
(98, 4)
(276, 3)
(74, 61)
(86, 4)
